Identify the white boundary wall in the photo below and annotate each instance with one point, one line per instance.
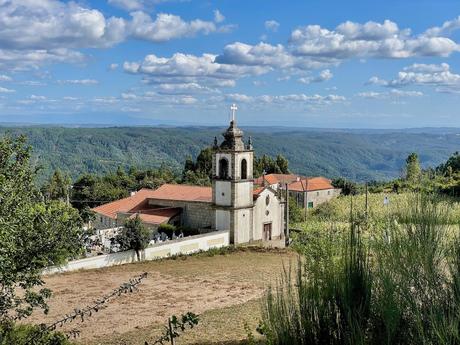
(187, 245)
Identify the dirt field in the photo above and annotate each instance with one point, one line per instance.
(223, 289)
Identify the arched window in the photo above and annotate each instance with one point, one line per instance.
(244, 169)
(223, 168)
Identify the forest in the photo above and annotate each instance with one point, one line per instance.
(358, 155)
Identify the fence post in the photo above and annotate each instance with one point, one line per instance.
(171, 333)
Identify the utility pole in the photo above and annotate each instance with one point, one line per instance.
(367, 201)
(287, 215)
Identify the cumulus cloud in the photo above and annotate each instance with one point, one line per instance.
(264, 54)
(391, 94)
(322, 76)
(189, 70)
(54, 31)
(301, 99)
(272, 25)
(167, 26)
(218, 17)
(79, 81)
(422, 74)
(381, 40)
(5, 78)
(113, 66)
(5, 90)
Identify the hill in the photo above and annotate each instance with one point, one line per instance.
(355, 154)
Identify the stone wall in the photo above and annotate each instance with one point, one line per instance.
(187, 245)
(197, 215)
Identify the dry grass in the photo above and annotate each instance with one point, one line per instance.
(223, 289)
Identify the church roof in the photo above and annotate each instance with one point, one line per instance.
(181, 192)
(124, 205)
(233, 138)
(139, 201)
(157, 216)
(276, 178)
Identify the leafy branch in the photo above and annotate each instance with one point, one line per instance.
(101, 303)
(175, 327)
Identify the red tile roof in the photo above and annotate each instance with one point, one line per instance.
(157, 216)
(276, 178)
(296, 183)
(311, 184)
(181, 192)
(138, 200)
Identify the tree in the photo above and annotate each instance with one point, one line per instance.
(199, 172)
(33, 234)
(134, 236)
(413, 170)
(266, 164)
(58, 186)
(347, 187)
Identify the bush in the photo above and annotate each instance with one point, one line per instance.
(400, 286)
(168, 229)
(30, 335)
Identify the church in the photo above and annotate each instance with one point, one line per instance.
(251, 212)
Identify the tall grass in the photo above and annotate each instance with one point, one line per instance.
(400, 285)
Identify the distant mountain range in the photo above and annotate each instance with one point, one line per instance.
(357, 154)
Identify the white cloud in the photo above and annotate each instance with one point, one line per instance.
(422, 74)
(129, 5)
(47, 31)
(380, 40)
(391, 94)
(113, 66)
(5, 90)
(189, 70)
(79, 81)
(272, 25)
(322, 76)
(167, 26)
(218, 17)
(5, 78)
(301, 99)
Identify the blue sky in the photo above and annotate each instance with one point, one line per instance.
(356, 64)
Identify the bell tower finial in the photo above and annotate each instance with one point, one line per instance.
(233, 108)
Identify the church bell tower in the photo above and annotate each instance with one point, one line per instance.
(232, 184)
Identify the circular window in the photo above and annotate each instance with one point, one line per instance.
(267, 200)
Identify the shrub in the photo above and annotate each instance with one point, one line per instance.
(399, 286)
(30, 335)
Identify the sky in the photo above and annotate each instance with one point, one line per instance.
(328, 64)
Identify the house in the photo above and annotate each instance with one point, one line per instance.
(306, 191)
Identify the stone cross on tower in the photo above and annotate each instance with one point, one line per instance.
(233, 108)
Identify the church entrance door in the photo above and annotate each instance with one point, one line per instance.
(267, 235)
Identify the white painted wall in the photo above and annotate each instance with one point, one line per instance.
(223, 193)
(222, 219)
(275, 215)
(243, 194)
(185, 245)
(243, 225)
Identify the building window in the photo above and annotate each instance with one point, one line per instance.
(328, 192)
(310, 204)
(317, 193)
(223, 168)
(267, 200)
(244, 169)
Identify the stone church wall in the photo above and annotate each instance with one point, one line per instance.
(197, 215)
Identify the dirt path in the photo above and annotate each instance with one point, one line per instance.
(196, 284)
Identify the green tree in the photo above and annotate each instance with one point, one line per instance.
(33, 234)
(413, 169)
(134, 236)
(58, 187)
(347, 187)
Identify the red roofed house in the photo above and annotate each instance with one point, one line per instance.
(307, 191)
(250, 210)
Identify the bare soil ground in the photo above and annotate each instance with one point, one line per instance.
(223, 289)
